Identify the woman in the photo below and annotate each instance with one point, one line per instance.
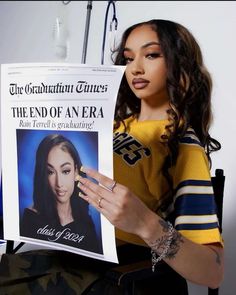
(162, 196)
(58, 215)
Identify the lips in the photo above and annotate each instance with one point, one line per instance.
(60, 193)
(139, 83)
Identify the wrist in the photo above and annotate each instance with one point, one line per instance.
(161, 246)
(151, 228)
(158, 235)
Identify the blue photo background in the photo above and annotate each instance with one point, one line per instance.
(86, 144)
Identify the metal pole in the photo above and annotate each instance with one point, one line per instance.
(86, 32)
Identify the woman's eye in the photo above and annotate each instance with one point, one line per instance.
(153, 55)
(50, 172)
(67, 171)
(128, 60)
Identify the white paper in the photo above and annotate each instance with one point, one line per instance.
(73, 100)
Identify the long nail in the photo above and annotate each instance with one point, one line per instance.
(82, 169)
(77, 177)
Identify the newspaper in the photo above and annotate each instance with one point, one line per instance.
(72, 105)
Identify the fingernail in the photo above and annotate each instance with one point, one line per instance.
(82, 169)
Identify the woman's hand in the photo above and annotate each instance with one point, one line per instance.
(200, 264)
(116, 202)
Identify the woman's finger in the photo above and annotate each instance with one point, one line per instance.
(98, 202)
(105, 181)
(92, 189)
(95, 194)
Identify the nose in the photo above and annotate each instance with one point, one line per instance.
(137, 67)
(58, 180)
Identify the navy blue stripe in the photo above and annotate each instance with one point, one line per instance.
(195, 204)
(196, 226)
(190, 140)
(194, 183)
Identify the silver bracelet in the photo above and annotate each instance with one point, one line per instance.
(156, 245)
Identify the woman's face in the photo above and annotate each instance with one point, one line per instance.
(146, 70)
(61, 174)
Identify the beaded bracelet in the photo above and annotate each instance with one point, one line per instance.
(154, 246)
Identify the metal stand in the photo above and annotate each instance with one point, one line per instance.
(10, 247)
(86, 32)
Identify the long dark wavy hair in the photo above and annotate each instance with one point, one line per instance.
(189, 87)
(44, 200)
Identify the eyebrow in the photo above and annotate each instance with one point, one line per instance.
(64, 164)
(144, 46)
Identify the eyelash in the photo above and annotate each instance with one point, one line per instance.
(149, 55)
(128, 60)
(154, 55)
(50, 172)
(67, 171)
